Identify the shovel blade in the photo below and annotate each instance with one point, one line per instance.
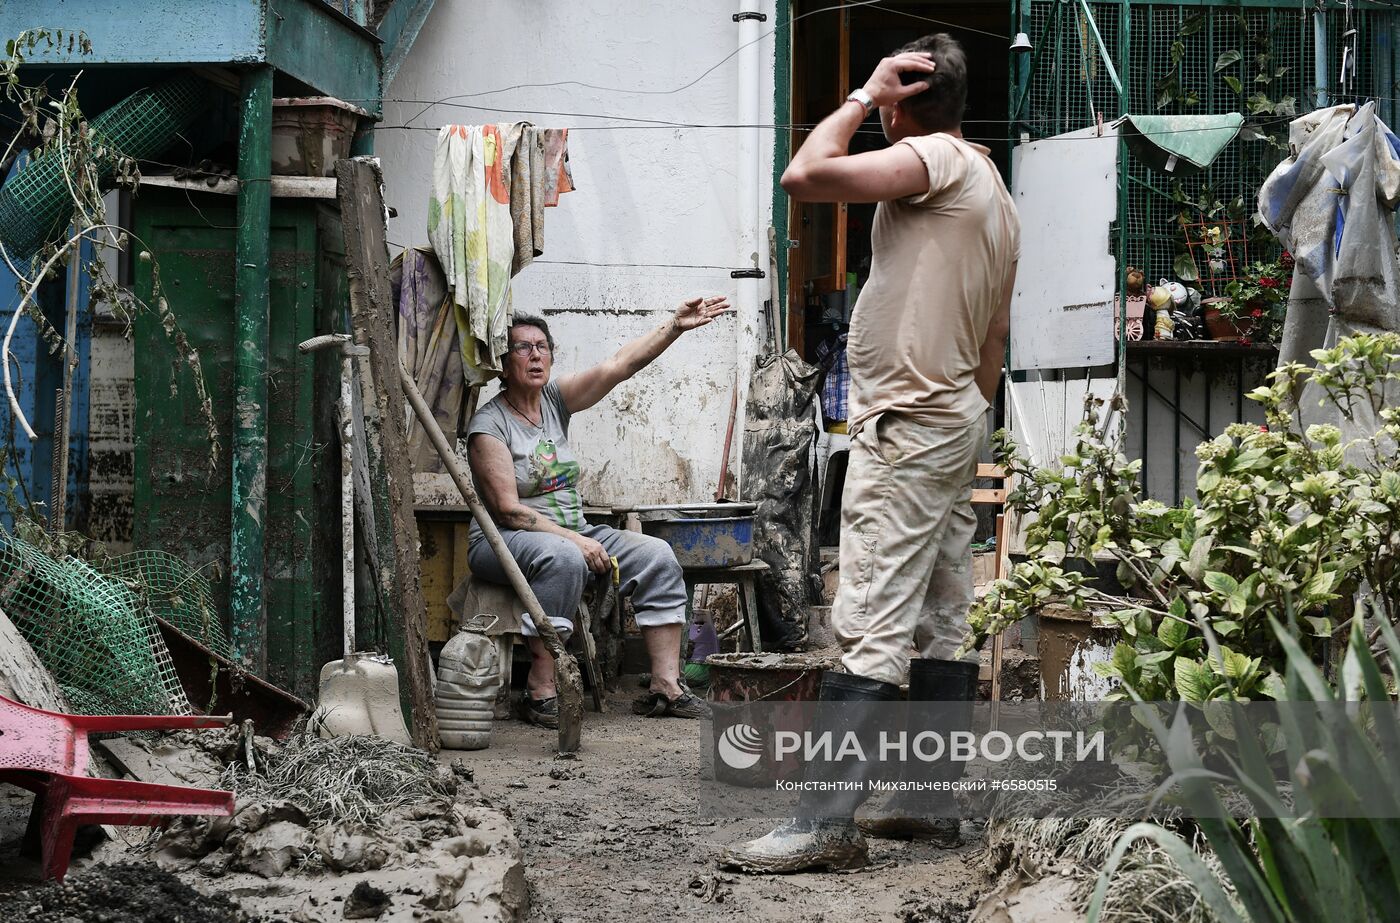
(360, 696)
(569, 686)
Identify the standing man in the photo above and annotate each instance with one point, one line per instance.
(925, 353)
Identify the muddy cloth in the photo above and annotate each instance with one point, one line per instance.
(428, 347)
(779, 432)
(539, 174)
(491, 184)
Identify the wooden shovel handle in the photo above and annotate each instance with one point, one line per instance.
(493, 535)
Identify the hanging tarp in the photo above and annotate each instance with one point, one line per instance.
(780, 429)
(1332, 204)
(1180, 144)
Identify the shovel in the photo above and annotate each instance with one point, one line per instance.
(360, 693)
(566, 674)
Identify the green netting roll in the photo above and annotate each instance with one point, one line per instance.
(35, 205)
(94, 631)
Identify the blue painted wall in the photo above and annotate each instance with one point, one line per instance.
(36, 376)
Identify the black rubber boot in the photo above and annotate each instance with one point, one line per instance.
(899, 816)
(813, 839)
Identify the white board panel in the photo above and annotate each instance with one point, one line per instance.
(1065, 189)
(1043, 413)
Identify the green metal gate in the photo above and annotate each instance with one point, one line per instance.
(181, 503)
(1270, 61)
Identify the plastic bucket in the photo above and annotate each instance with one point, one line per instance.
(746, 678)
(310, 134)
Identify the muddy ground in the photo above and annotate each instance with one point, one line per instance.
(616, 835)
(613, 835)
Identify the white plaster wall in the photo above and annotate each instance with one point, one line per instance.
(648, 195)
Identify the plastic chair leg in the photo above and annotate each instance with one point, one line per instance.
(71, 801)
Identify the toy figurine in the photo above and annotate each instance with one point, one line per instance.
(1160, 299)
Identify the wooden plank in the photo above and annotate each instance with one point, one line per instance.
(985, 470)
(361, 192)
(437, 548)
(283, 187)
(988, 496)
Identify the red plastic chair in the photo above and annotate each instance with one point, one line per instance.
(47, 753)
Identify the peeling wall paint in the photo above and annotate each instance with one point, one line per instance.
(111, 449)
(646, 195)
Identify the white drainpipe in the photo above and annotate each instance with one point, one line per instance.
(752, 247)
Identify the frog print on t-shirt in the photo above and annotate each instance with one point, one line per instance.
(550, 475)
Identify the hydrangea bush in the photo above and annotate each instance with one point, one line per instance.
(1290, 521)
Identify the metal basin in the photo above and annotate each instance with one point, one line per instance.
(703, 535)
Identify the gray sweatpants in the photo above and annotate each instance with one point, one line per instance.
(557, 573)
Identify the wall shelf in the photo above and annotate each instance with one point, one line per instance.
(1200, 348)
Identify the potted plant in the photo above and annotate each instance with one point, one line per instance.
(1254, 304)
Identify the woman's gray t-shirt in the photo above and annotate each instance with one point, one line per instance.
(546, 471)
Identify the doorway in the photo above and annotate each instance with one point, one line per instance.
(833, 52)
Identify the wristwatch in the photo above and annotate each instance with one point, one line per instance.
(862, 97)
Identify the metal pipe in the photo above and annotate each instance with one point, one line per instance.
(63, 412)
(343, 343)
(753, 241)
(1320, 74)
(247, 603)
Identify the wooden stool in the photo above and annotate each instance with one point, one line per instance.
(742, 576)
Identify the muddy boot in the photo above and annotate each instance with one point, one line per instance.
(898, 815)
(814, 840)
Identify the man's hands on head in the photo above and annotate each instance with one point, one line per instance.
(885, 86)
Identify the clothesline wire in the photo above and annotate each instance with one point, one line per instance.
(636, 265)
(877, 4)
(868, 131)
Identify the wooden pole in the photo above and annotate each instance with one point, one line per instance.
(359, 185)
(567, 681)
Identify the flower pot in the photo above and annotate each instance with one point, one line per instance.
(1223, 328)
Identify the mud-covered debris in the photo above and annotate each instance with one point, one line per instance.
(711, 888)
(366, 902)
(126, 893)
(358, 779)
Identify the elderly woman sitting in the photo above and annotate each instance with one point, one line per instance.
(527, 475)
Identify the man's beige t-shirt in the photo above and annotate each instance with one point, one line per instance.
(942, 262)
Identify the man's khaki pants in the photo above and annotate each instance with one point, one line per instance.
(906, 544)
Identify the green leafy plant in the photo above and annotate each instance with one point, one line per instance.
(1288, 519)
(1312, 853)
(1257, 301)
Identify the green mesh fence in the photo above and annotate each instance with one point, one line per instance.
(95, 630)
(36, 205)
(1173, 67)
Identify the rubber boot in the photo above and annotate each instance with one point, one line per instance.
(898, 815)
(812, 840)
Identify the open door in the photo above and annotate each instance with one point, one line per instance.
(834, 48)
(817, 266)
